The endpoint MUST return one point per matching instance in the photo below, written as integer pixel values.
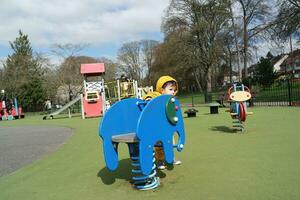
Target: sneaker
(176, 162)
(161, 166)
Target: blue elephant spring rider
(141, 124)
(238, 94)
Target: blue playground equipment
(141, 124)
(238, 94)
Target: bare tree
(49, 79)
(136, 58)
(130, 59)
(148, 48)
(110, 68)
(235, 36)
(199, 24)
(254, 14)
(68, 72)
(288, 19)
(67, 50)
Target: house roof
(292, 57)
(280, 61)
(276, 62)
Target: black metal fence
(281, 93)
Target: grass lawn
(262, 163)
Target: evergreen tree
(264, 73)
(23, 74)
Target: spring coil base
(141, 181)
(238, 125)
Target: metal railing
(281, 93)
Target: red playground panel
(92, 109)
(93, 95)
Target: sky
(104, 25)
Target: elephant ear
(158, 122)
(179, 126)
(171, 111)
(153, 126)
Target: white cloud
(103, 24)
(90, 21)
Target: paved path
(20, 146)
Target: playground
(150, 100)
(217, 163)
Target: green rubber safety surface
(218, 163)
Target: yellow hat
(162, 80)
(150, 95)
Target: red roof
(92, 68)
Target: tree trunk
(207, 91)
(197, 80)
(236, 47)
(245, 48)
(230, 67)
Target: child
(164, 85)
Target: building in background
(291, 65)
